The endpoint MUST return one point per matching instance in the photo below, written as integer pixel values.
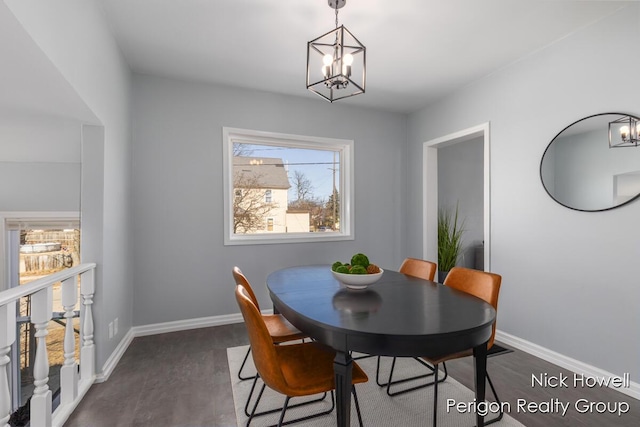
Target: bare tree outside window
(302, 187)
(250, 208)
(242, 150)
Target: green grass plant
(450, 231)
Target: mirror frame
(556, 137)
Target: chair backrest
(241, 279)
(263, 350)
(481, 284)
(419, 268)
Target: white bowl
(357, 281)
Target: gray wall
(39, 163)
(39, 187)
(94, 67)
(570, 279)
(182, 268)
(461, 184)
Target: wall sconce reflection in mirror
(624, 132)
(579, 171)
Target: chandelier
(624, 132)
(336, 62)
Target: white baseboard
(565, 362)
(115, 357)
(184, 325)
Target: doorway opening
(474, 135)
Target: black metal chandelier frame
(338, 44)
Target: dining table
(399, 315)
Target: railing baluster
(72, 387)
(87, 352)
(42, 309)
(7, 337)
(69, 370)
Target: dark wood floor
(182, 379)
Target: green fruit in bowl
(335, 265)
(342, 269)
(358, 269)
(360, 259)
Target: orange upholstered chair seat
(280, 329)
(316, 361)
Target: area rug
(378, 409)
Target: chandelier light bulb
(327, 59)
(347, 59)
(624, 131)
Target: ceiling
(417, 50)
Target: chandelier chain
(335, 51)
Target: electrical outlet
(110, 330)
(115, 326)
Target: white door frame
(430, 189)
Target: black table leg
(480, 357)
(342, 367)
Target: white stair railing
(73, 385)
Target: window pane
(283, 187)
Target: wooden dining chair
(301, 369)
(279, 328)
(485, 286)
(422, 269)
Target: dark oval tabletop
(399, 315)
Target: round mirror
(594, 164)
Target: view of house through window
(285, 189)
(282, 188)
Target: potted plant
(449, 241)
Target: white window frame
(25, 219)
(345, 185)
